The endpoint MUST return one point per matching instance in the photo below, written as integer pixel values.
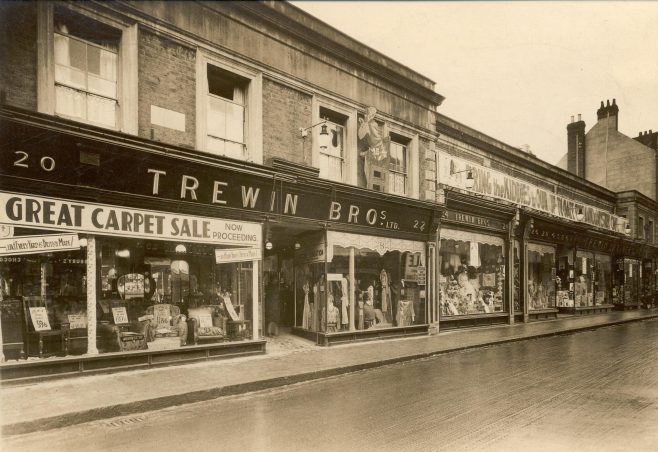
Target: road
(591, 391)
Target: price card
(40, 319)
(120, 315)
(77, 321)
(205, 321)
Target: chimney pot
(607, 103)
(602, 106)
(571, 119)
(614, 101)
(578, 116)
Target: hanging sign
(223, 256)
(51, 213)
(39, 317)
(35, 244)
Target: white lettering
(291, 201)
(185, 187)
(249, 196)
(156, 179)
(216, 192)
(334, 211)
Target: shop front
(633, 275)
(569, 269)
(101, 285)
(474, 264)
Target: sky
(518, 71)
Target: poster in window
(39, 318)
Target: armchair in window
(207, 323)
(166, 320)
(41, 339)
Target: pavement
(63, 402)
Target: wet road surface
(591, 391)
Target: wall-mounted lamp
(468, 184)
(180, 248)
(324, 134)
(297, 245)
(268, 245)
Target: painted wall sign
(237, 255)
(123, 170)
(499, 185)
(34, 244)
(51, 213)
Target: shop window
(541, 277)
(389, 285)
(565, 281)
(226, 113)
(583, 287)
(398, 165)
(87, 71)
(630, 288)
(602, 279)
(640, 228)
(332, 158)
(472, 277)
(651, 232)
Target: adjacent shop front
(474, 264)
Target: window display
(602, 279)
(565, 277)
(631, 287)
(583, 287)
(541, 276)
(388, 289)
(151, 295)
(472, 277)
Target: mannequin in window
(372, 316)
(384, 280)
(332, 315)
(306, 313)
(405, 314)
(467, 293)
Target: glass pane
(70, 102)
(215, 145)
(234, 150)
(78, 54)
(93, 60)
(335, 169)
(216, 117)
(101, 110)
(70, 76)
(108, 65)
(62, 54)
(104, 87)
(234, 122)
(541, 282)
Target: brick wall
(18, 54)
(285, 110)
(166, 79)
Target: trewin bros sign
(499, 185)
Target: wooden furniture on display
(37, 330)
(166, 321)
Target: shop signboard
(496, 184)
(451, 216)
(102, 219)
(35, 244)
(191, 181)
(223, 256)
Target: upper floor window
(86, 62)
(332, 157)
(640, 228)
(651, 232)
(226, 113)
(398, 163)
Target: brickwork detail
(167, 79)
(18, 54)
(285, 110)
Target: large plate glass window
(541, 277)
(472, 277)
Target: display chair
(38, 330)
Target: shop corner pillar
(91, 296)
(254, 290)
(351, 285)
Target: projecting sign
(237, 255)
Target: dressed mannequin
(306, 313)
(344, 302)
(332, 315)
(371, 315)
(405, 315)
(386, 294)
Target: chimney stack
(576, 147)
(609, 113)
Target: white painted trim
(45, 58)
(129, 81)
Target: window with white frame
(86, 69)
(332, 157)
(398, 165)
(226, 113)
